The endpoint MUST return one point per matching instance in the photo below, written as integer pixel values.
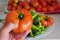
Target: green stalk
(34, 27)
(34, 16)
(31, 34)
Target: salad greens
(33, 13)
(37, 27)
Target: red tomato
(58, 5)
(44, 9)
(13, 8)
(35, 3)
(55, 5)
(32, 8)
(50, 19)
(38, 9)
(51, 8)
(43, 2)
(49, 24)
(9, 7)
(10, 2)
(14, 5)
(19, 8)
(24, 3)
(44, 23)
(49, 1)
(27, 7)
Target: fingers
(10, 27)
(22, 36)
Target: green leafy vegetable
(33, 14)
(31, 34)
(36, 20)
(37, 27)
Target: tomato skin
(26, 23)
(44, 23)
(51, 8)
(9, 7)
(27, 7)
(35, 4)
(14, 5)
(19, 8)
(51, 20)
(13, 8)
(23, 24)
(49, 24)
(44, 9)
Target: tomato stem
(21, 15)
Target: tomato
(10, 2)
(44, 9)
(49, 1)
(58, 5)
(24, 3)
(44, 23)
(51, 8)
(43, 3)
(35, 3)
(9, 7)
(47, 22)
(19, 8)
(24, 19)
(13, 8)
(14, 5)
(32, 8)
(27, 7)
(38, 9)
(50, 19)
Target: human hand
(6, 34)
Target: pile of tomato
(37, 5)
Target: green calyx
(20, 16)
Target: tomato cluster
(37, 5)
(47, 21)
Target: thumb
(10, 27)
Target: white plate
(48, 30)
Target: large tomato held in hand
(24, 19)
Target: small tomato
(50, 19)
(44, 23)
